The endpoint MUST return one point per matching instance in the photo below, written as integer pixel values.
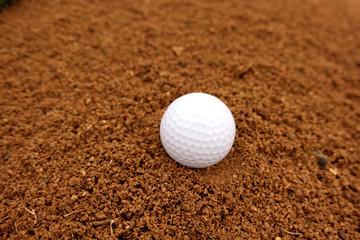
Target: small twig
(117, 81)
(292, 233)
(98, 223)
(71, 230)
(16, 229)
(4, 219)
(111, 229)
(76, 211)
(31, 211)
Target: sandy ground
(84, 84)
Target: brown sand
(83, 86)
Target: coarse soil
(84, 84)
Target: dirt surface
(84, 84)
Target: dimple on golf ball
(197, 130)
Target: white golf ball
(197, 130)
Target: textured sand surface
(83, 87)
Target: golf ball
(197, 130)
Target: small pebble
(291, 136)
(52, 69)
(334, 171)
(318, 152)
(307, 235)
(322, 161)
(100, 216)
(6, 158)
